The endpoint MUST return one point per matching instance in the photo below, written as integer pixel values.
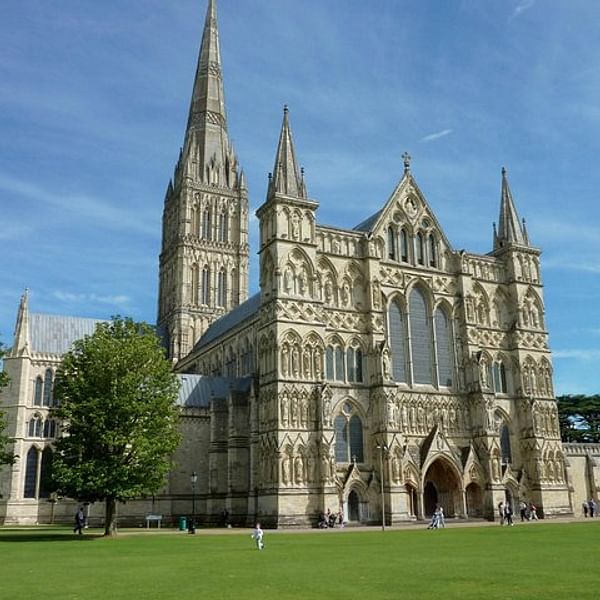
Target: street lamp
(383, 448)
(193, 479)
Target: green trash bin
(182, 523)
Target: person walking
(585, 509)
(501, 512)
(79, 521)
(533, 512)
(257, 535)
(508, 514)
(523, 511)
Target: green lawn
(545, 561)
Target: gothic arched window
(223, 227)
(206, 285)
(391, 243)
(31, 463)
(348, 436)
(505, 444)
(35, 427)
(206, 224)
(48, 377)
(420, 336)
(38, 391)
(443, 342)
(432, 251)
(403, 245)
(397, 341)
(420, 249)
(354, 366)
(499, 377)
(195, 283)
(221, 288)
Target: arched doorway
(442, 486)
(474, 500)
(430, 498)
(353, 507)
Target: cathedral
(378, 371)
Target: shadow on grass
(44, 535)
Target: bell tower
(203, 270)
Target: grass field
(545, 561)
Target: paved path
(450, 524)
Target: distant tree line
(579, 418)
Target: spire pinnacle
(286, 177)
(206, 142)
(21, 344)
(510, 230)
(406, 157)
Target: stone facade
(378, 367)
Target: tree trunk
(110, 521)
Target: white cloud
(436, 136)
(84, 298)
(81, 205)
(586, 355)
(521, 8)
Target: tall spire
(21, 343)
(206, 141)
(510, 230)
(286, 177)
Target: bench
(151, 518)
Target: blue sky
(94, 99)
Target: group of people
(330, 519)
(437, 519)
(527, 512)
(589, 508)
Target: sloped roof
(367, 224)
(199, 390)
(55, 334)
(230, 320)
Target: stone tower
(204, 253)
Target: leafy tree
(116, 397)
(579, 418)
(6, 456)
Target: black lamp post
(193, 479)
(383, 448)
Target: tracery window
(35, 426)
(223, 227)
(420, 335)
(348, 435)
(499, 377)
(354, 365)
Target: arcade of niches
(376, 368)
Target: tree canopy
(579, 418)
(116, 397)
(6, 455)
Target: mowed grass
(545, 561)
